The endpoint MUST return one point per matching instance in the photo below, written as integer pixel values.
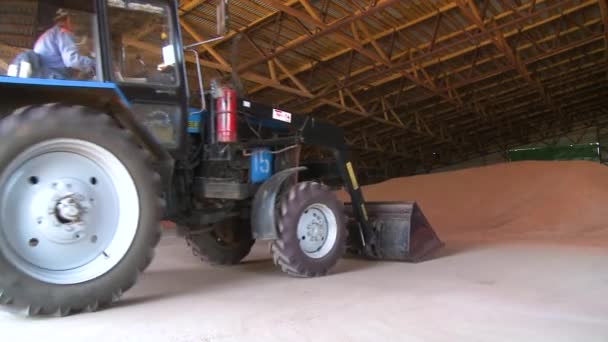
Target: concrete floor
(474, 292)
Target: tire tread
(29, 117)
(286, 253)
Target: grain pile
(525, 200)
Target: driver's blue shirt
(58, 52)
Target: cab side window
(141, 38)
(39, 40)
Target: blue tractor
(92, 162)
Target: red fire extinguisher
(226, 122)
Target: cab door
(144, 57)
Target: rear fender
(263, 208)
(17, 92)
(103, 96)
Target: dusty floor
(526, 260)
(480, 292)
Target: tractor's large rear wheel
(80, 210)
(312, 231)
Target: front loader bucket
(399, 231)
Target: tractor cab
(133, 44)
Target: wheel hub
(69, 210)
(314, 230)
(65, 220)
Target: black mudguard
(263, 208)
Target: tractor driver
(58, 51)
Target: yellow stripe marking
(351, 174)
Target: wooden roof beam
(444, 114)
(408, 64)
(550, 53)
(187, 6)
(450, 114)
(370, 145)
(324, 30)
(580, 101)
(587, 86)
(512, 141)
(509, 138)
(563, 78)
(527, 46)
(524, 102)
(194, 34)
(522, 111)
(398, 124)
(546, 55)
(250, 76)
(471, 11)
(469, 81)
(277, 62)
(260, 21)
(428, 84)
(376, 37)
(542, 56)
(364, 76)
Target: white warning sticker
(280, 115)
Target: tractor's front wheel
(312, 231)
(80, 210)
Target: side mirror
(222, 17)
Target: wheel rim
(62, 218)
(317, 230)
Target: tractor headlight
(160, 120)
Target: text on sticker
(280, 115)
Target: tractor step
(400, 232)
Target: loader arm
(310, 131)
(397, 231)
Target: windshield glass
(141, 36)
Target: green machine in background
(589, 152)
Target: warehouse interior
(422, 84)
(491, 114)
